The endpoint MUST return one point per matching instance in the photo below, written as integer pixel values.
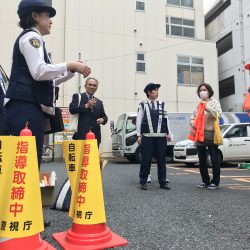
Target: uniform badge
(35, 42)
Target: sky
(208, 4)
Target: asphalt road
(183, 218)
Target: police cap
(151, 86)
(27, 6)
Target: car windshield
(223, 127)
(120, 122)
(131, 124)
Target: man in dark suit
(91, 111)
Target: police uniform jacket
(33, 77)
(160, 128)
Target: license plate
(177, 154)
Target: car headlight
(191, 145)
(178, 144)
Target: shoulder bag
(73, 124)
(56, 122)
(217, 133)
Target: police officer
(31, 91)
(153, 134)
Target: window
(190, 70)
(225, 44)
(179, 27)
(131, 124)
(185, 3)
(237, 131)
(140, 5)
(227, 87)
(140, 64)
(120, 122)
(218, 8)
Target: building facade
(228, 24)
(127, 44)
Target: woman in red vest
(202, 133)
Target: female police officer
(33, 78)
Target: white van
(124, 137)
(235, 148)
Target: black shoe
(165, 186)
(47, 223)
(143, 187)
(202, 185)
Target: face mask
(203, 94)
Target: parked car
(235, 148)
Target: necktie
(92, 108)
(153, 105)
(153, 117)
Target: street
(183, 218)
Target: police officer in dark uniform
(31, 92)
(153, 133)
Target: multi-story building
(228, 24)
(127, 44)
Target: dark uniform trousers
(18, 113)
(149, 146)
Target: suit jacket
(87, 117)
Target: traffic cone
(32, 242)
(85, 234)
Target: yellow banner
(88, 198)
(73, 152)
(20, 196)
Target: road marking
(235, 176)
(239, 178)
(192, 171)
(243, 180)
(229, 169)
(239, 187)
(174, 168)
(231, 184)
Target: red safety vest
(246, 104)
(197, 130)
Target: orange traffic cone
(33, 242)
(86, 235)
(26, 243)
